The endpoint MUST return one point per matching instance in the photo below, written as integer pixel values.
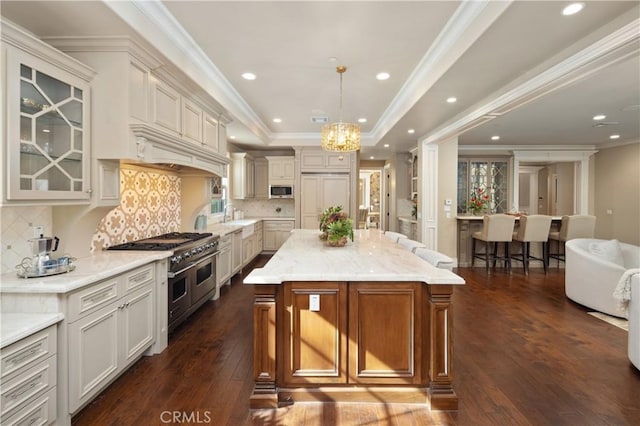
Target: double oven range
(192, 269)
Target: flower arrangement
(336, 226)
(478, 201)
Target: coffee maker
(41, 263)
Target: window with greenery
(483, 185)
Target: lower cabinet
(252, 245)
(275, 233)
(338, 332)
(111, 324)
(224, 263)
(409, 228)
(236, 251)
(28, 385)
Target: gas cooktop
(168, 241)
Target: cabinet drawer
(224, 241)
(92, 298)
(40, 411)
(139, 277)
(26, 385)
(27, 352)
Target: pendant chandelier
(341, 137)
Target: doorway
(371, 187)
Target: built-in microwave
(280, 191)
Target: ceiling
(492, 56)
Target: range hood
(131, 74)
(156, 147)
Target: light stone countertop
(14, 327)
(89, 270)
(224, 228)
(371, 257)
(408, 219)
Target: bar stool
(393, 236)
(496, 228)
(410, 245)
(533, 229)
(574, 226)
(435, 258)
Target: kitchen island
(367, 322)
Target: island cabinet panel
(315, 345)
(385, 333)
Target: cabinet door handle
(100, 296)
(22, 357)
(25, 389)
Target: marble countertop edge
(17, 326)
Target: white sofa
(590, 279)
(634, 322)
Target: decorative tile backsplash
(16, 228)
(149, 206)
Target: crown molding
(611, 49)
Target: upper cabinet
(47, 99)
(323, 161)
(281, 170)
(242, 176)
(146, 110)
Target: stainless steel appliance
(192, 269)
(280, 191)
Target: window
(489, 175)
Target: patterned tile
(16, 228)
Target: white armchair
(634, 322)
(590, 280)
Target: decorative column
(441, 393)
(264, 348)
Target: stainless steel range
(192, 269)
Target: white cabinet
(166, 107)
(261, 178)
(409, 228)
(242, 176)
(28, 384)
(252, 244)
(47, 98)
(192, 121)
(110, 325)
(318, 192)
(210, 133)
(321, 161)
(281, 170)
(236, 251)
(275, 233)
(224, 262)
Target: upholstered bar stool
(496, 228)
(394, 236)
(410, 245)
(574, 226)
(533, 229)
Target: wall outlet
(37, 231)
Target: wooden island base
(353, 342)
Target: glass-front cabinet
(483, 185)
(47, 131)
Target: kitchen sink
(248, 226)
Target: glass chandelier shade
(341, 137)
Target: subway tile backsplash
(264, 208)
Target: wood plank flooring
(524, 355)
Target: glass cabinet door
(49, 151)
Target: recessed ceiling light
(232, 137)
(411, 131)
(614, 137)
(572, 9)
(372, 158)
(599, 117)
(386, 145)
(332, 59)
(495, 138)
(452, 99)
(46, 131)
(382, 76)
(277, 120)
(249, 76)
(362, 120)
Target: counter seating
(496, 228)
(394, 236)
(574, 226)
(532, 229)
(410, 245)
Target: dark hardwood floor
(524, 355)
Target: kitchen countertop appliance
(191, 273)
(41, 263)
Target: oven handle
(191, 265)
